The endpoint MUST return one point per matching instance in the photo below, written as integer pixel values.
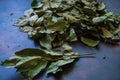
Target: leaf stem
(60, 57)
(49, 3)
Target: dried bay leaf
(90, 42)
(106, 33)
(28, 12)
(72, 35)
(46, 42)
(101, 6)
(58, 26)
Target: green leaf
(111, 25)
(27, 62)
(46, 42)
(32, 67)
(89, 42)
(39, 21)
(99, 19)
(28, 12)
(36, 4)
(69, 18)
(102, 18)
(55, 66)
(54, 52)
(116, 31)
(101, 6)
(38, 68)
(22, 22)
(40, 12)
(106, 33)
(108, 14)
(10, 63)
(32, 20)
(59, 25)
(72, 35)
(30, 52)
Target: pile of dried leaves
(53, 22)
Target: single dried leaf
(32, 19)
(58, 26)
(90, 42)
(31, 52)
(46, 42)
(99, 19)
(101, 6)
(72, 35)
(28, 12)
(10, 63)
(22, 22)
(106, 33)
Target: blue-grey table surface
(11, 40)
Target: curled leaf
(46, 42)
(101, 6)
(28, 13)
(72, 35)
(106, 33)
(90, 42)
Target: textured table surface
(11, 40)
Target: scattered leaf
(89, 42)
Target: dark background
(12, 40)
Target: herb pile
(54, 22)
